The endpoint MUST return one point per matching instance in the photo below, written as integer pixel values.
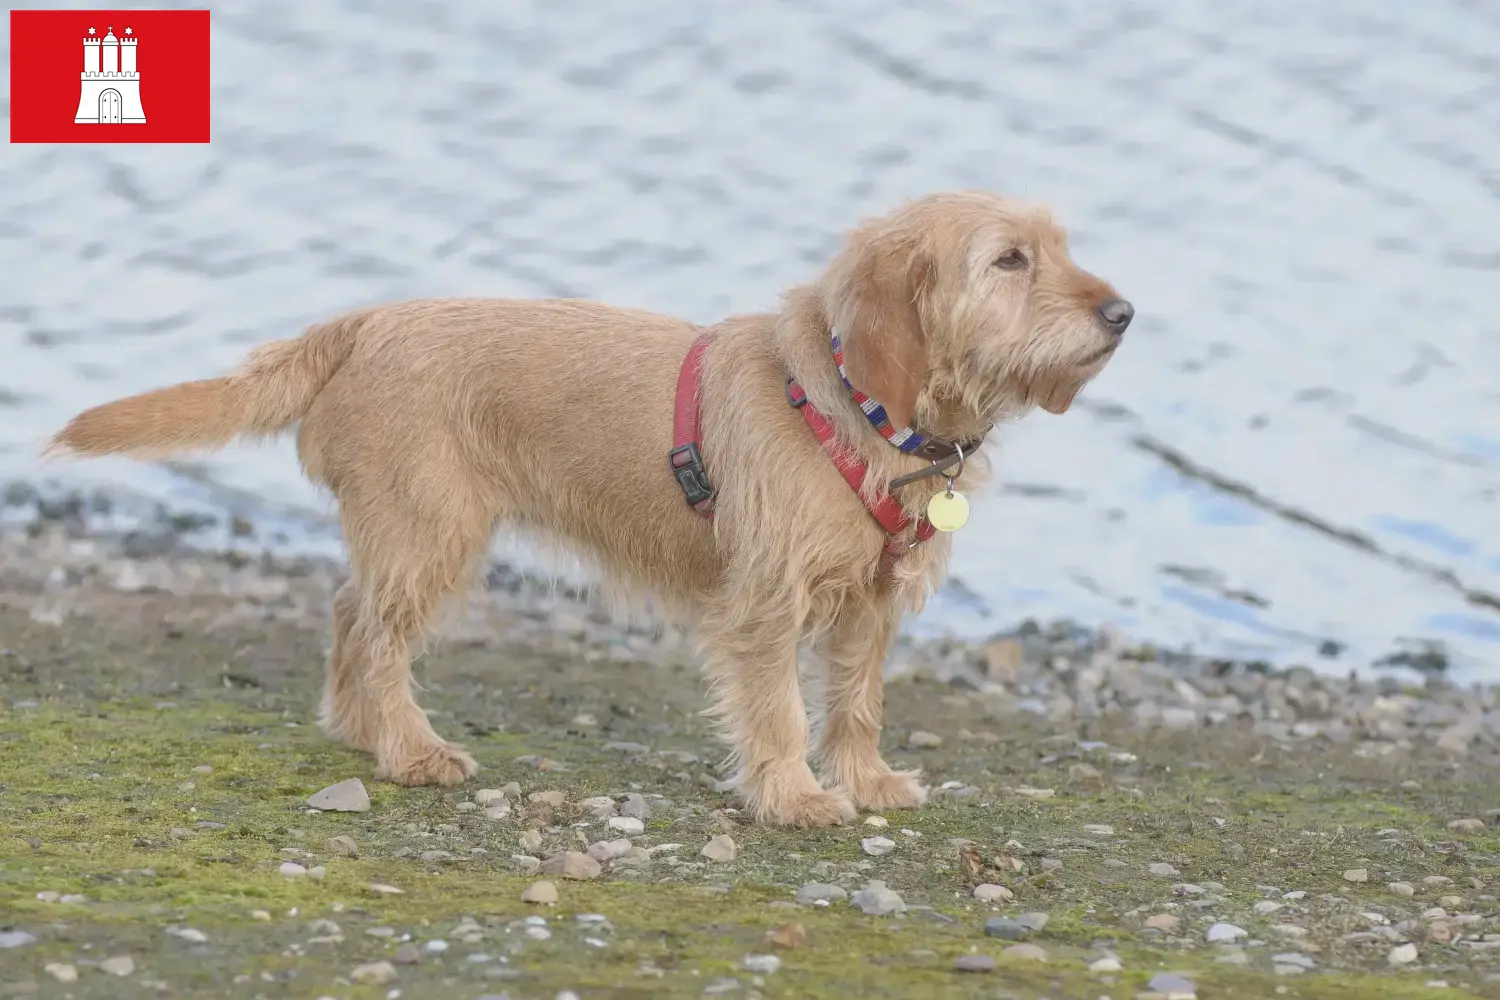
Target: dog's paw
(811, 810)
(444, 764)
(890, 790)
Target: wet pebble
(349, 795)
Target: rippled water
(1298, 448)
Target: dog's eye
(1011, 260)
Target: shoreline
(65, 553)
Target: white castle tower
(111, 92)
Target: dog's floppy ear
(871, 293)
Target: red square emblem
(109, 76)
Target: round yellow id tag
(948, 511)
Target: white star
(92, 31)
(127, 31)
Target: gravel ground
(1107, 820)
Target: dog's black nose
(1117, 314)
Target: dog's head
(974, 299)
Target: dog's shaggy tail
(276, 386)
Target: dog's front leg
(752, 670)
(848, 754)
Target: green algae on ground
(163, 777)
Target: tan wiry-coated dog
(436, 422)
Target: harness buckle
(687, 467)
(794, 394)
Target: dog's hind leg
(347, 715)
(408, 558)
(848, 750)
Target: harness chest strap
(686, 457)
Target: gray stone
(1172, 984)
(974, 963)
(1222, 932)
(346, 796)
(814, 892)
(373, 974)
(636, 807)
(16, 939)
(1163, 869)
(1006, 929)
(720, 848)
(878, 901)
(1031, 952)
(1033, 921)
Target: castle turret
(111, 50)
(127, 52)
(91, 53)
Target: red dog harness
(687, 458)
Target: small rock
(819, 892)
(923, 740)
(342, 846)
(407, 954)
(992, 893)
(1163, 922)
(877, 847)
(262, 915)
(1357, 875)
(974, 963)
(119, 965)
(374, 974)
(1266, 907)
(1466, 825)
(1187, 889)
(1173, 985)
(346, 796)
(878, 901)
(627, 825)
(1223, 932)
(486, 797)
(1099, 829)
(636, 806)
(543, 893)
(762, 965)
(526, 864)
(788, 936)
(1005, 928)
(551, 797)
(531, 841)
(1109, 963)
(436, 946)
(720, 848)
(61, 971)
(572, 864)
(190, 934)
(1030, 952)
(381, 889)
(608, 850)
(1402, 954)
(1033, 921)
(293, 870)
(1035, 793)
(16, 939)
(1163, 869)
(1402, 888)
(876, 821)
